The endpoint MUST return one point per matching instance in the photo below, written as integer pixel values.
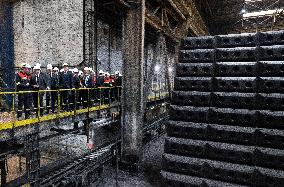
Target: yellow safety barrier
(90, 105)
(96, 100)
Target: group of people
(68, 81)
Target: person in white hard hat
(23, 84)
(107, 79)
(111, 84)
(100, 79)
(48, 76)
(54, 86)
(117, 84)
(87, 78)
(76, 83)
(106, 91)
(76, 79)
(87, 82)
(65, 82)
(38, 82)
(29, 68)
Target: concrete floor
(148, 177)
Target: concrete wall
(6, 46)
(115, 62)
(51, 31)
(48, 31)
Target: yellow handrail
(99, 98)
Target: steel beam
(177, 9)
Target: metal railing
(23, 108)
(28, 107)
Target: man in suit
(117, 85)
(100, 79)
(87, 83)
(48, 81)
(54, 85)
(65, 82)
(38, 82)
(76, 81)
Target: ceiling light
(157, 68)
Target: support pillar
(133, 83)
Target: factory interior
(141, 93)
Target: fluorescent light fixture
(263, 13)
(251, 1)
(157, 68)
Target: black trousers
(48, 101)
(54, 100)
(86, 98)
(65, 98)
(24, 100)
(75, 99)
(38, 101)
(106, 95)
(117, 93)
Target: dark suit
(87, 82)
(117, 84)
(76, 96)
(65, 82)
(54, 85)
(100, 81)
(38, 82)
(48, 94)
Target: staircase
(226, 124)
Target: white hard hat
(23, 65)
(28, 66)
(101, 72)
(65, 64)
(36, 67)
(107, 73)
(80, 72)
(49, 66)
(55, 69)
(75, 70)
(117, 72)
(86, 69)
(61, 70)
